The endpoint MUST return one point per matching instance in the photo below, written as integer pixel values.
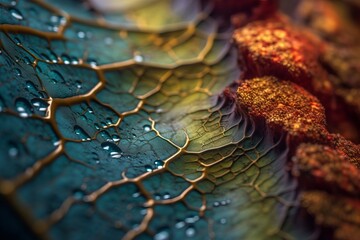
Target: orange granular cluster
(325, 167)
(284, 104)
(275, 47)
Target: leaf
(141, 135)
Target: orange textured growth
(341, 214)
(275, 47)
(283, 104)
(326, 168)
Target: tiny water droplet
(13, 150)
(138, 58)
(81, 35)
(16, 14)
(40, 104)
(78, 84)
(17, 72)
(159, 164)
(136, 195)
(166, 196)
(17, 41)
(113, 149)
(147, 128)
(216, 204)
(23, 107)
(82, 134)
(56, 77)
(148, 168)
(108, 41)
(115, 138)
(92, 62)
(163, 235)
(180, 224)
(223, 221)
(78, 194)
(65, 58)
(190, 232)
(192, 219)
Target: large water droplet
(16, 14)
(23, 107)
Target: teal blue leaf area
(125, 125)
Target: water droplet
(17, 41)
(109, 121)
(78, 84)
(56, 77)
(190, 232)
(95, 157)
(216, 204)
(115, 138)
(106, 136)
(143, 211)
(92, 62)
(147, 128)
(17, 72)
(40, 104)
(27, 60)
(180, 224)
(2, 104)
(108, 41)
(54, 19)
(65, 58)
(82, 134)
(78, 194)
(81, 35)
(23, 107)
(163, 235)
(166, 196)
(45, 57)
(192, 219)
(159, 164)
(223, 221)
(16, 14)
(138, 58)
(13, 150)
(148, 168)
(74, 60)
(53, 57)
(136, 195)
(113, 149)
